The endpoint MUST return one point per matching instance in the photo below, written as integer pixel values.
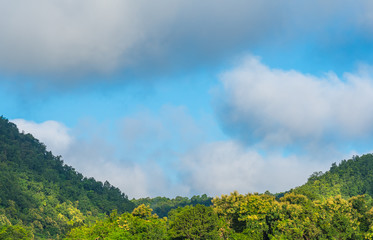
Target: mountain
(349, 178)
(42, 195)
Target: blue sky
(187, 97)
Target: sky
(182, 98)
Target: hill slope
(39, 191)
(349, 178)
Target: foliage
(255, 216)
(15, 232)
(194, 222)
(140, 224)
(250, 216)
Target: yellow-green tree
(140, 224)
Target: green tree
(194, 222)
(140, 224)
(15, 232)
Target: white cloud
(178, 161)
(53, 134)
(287, 108)
(222, 167)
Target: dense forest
(43, 198)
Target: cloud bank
(221, 167)
(278, 108)
(144, 169)
(55, 134)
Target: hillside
(349, 178)
(42, 194)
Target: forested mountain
(349, 178)
(38, 191)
